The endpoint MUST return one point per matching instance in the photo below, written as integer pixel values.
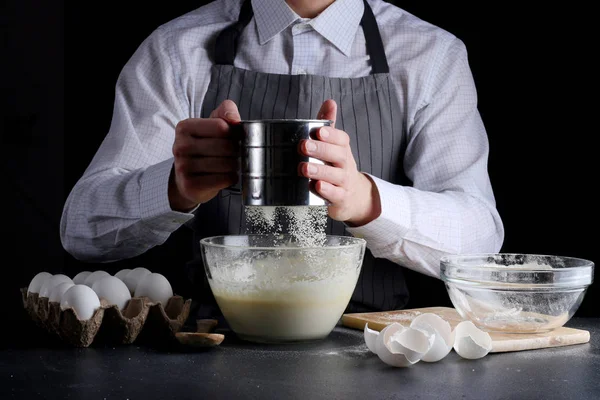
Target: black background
(533, 70)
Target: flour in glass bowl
(297, 296)
(297, 293)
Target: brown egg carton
(140, 321)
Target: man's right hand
(206, 157)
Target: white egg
(37, 282)
(113, 290)
(82, 299)
(49, 284)
(371, 338)
(156, 287)
(444, 336)
(133, 278)
(122, 273)
(401, 346)
(58, 291)
(94, 276)
(80, 277)
(471, 342)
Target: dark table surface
(339, 367)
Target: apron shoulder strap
(375, 47)
(227, 40)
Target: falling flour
(306, 224)
(261, 219)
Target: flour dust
(305, 224)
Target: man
(406, 160)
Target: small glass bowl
(516, 293)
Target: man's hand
(206, 157)
(353, 195)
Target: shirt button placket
(299, 46)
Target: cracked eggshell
(385, 333)
(414, 343)
(401, 346)
(443, 339)
(471, 342)
(371, 338)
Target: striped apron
(368, 111)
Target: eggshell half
(371, 338)
(444, 335)
(413, 343)
(386, 332)
(401, 346)
(471, 342)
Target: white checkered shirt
(119, 208)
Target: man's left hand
(353, 196)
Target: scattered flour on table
(351, 352)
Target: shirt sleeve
(119, 208)
(450, 207)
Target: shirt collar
(338, 23)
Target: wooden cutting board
(501, 342)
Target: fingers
(187, 146)
(206, 154)
(333, 175)
(204, 127)
(228, 111)
(333, 194)
(328, 110)
(333, 136)
(197, 186)
(207, 165)
(218, 125)
(327, 152)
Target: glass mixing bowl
(516, 293)
(269, 289)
